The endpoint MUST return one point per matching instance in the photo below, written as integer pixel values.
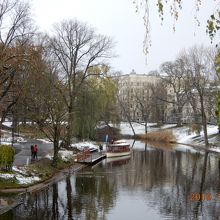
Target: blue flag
(106, 138)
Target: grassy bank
(164, 136)
(42, 169)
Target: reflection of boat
(118, 160)
(118, 148)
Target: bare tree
(201, 71)
(77, 48)
(124, 99)
(158, 106)
(44, 103)
(14, 33)
(174, 79)
(144, 104)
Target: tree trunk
(55, 154)
(145, 126)
(204, 122)
(127, 115)
(69, 128)
(55, 148)
(179, 116)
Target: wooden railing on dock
(83, 155)
(88, 157)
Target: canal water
(163, 182)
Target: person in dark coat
(100, 147)
(32, 152)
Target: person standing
(35, 151)
(32, 152)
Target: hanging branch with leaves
(175, 6)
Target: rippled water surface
(153, 183)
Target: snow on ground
(84, 145)
(140, 128)
(127, 130)
(20, 176)
(7, 139)
(27, 180)
(20, 170)
(184, 135)
(66, 155)
(5, 143)
(49, 156)
(7, 123)
(44, 141)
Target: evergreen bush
(7, 154)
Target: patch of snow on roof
(66, 155)
(85, 144)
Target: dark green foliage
(213, 24)
(95, 103)
(217, 112)
(7, 154)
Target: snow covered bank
(186, 136)
(20, 176)
(140, 128)
(183, 134)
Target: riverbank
(184, 135)
(8, 204)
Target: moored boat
(118, 148)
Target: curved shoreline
(38, 186)
(60, 175)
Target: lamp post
(12, 128)
(13, 118)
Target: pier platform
(89, 158)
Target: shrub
(165, 136)
(7, 154)
(196, 128)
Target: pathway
(23, 155)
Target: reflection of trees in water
(37, 205)
(169, 178)
(69, 198)
(96, 195)
(166, 179)
(91, 199)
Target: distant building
(134, 89)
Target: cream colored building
(133, 90)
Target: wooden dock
(89, 158)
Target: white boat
(118, 149)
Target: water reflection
(152, 183)
(117, 161)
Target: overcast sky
(118, 19)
